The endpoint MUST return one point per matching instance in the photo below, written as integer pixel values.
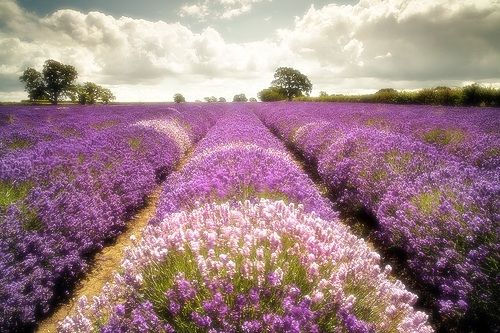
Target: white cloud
(421, 40)
(358, 48)
(218, 9)
(199, 11)
(126, 53)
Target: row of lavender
(25, 127)
(243, 242)
(69, 182)
(438, 208)
(472, 135)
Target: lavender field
(273, 217)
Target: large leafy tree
(58, 78)
(178, 98)
(34, 85)
(55, 80)
(106, 95)
(91, 93)
(291, 82)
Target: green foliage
(386, 95)
(427, 202)
(105, 95)
(477, 95)
(34, 84)
(240, 98)
(444, 136)
(252, 99)
(222, 100)
(30, 219)
(292, 82)
(211, 99)
(135, 143)
(91, 93)
(438, 96)
(272, 94)
(471, 95)
(159, 278)
(58, 79)
(19, 143)
(178, 98)
(11, 192)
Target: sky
(149, 50)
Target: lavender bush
(240, 159)
(63, 197)
(470, 134)
(249, 267)
(243, 240)
(437, 207)
(245, 260)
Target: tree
(178, 98)
(91, 93)
(292, 82)
(252, 99)
(106, 95)
(211, 99)
(34, 84)
(472, 94)
(271, 94)
(222, 100)
(58, 79)
(240, 98)
(386, 95)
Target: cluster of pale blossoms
(251, 267)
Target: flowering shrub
(240, 159)
(243, 240)
(469, 134)
(250, 267)
(245, 260)
(445, 221)
(436, 206)
(63, 198)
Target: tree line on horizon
(179, 98)
(288, 84)
(57, 81)
(471, 95)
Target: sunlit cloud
(350, 48)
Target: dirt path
(103, 265)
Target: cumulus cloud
(349, 48)
(402, 40)
(119, 49)
(218, 9)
